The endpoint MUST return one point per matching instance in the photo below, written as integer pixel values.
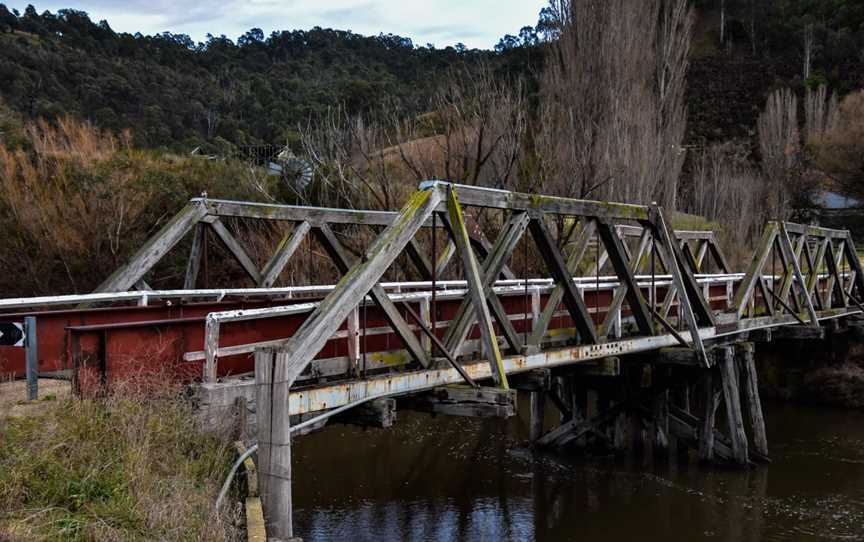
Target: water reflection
(463, 479)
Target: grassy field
(121, 468)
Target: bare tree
(725, 188)
(612, 113)
(780, 145)
(473, 133)
(820, 113)
(808, 49)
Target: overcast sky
(476, 23)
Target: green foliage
(173, 92)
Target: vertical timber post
(274, 441)
(751, 394)
(709, 398)
(538, 403)
(732, 398)
(32, 358)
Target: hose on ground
(252, 449)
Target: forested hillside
(173, 92)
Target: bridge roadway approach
(634, 333)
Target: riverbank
(828, 372)
(127, 467)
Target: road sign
(11, 334)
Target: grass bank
(127, 467)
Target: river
(445, 478)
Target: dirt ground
(13, 396)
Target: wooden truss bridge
(632, 332)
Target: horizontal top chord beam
(297, 213)
(815, 231)
(475, 196)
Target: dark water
(450, 478)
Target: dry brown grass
(127, 467)
(77, 201)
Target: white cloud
(476, 23)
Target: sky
(475, 23)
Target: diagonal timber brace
(360, 279)
(343, 262)
(475, 290)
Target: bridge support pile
(664, 404)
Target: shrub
(76, 202)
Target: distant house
(841, 212)
(828, 200)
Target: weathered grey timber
(750, 385)
(476, 290)
(573, 260)
(786, 245)
(193, 265)
(377, 413)
(753, 274)
(154, 249)
(621, 291)
(236, 250)
(274, 441)
(682, 278)
(563, 278)
(502, 199)
(711, 400)
(466, 401)
(326, 319)
(537, 413)
(287, 246)
(342, 260)
(623, 269)
(491, 267)
(732, 399)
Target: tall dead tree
(612, 113)
(820, 113)
(780, 146)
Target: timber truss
(668, 296)
(621, 239)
